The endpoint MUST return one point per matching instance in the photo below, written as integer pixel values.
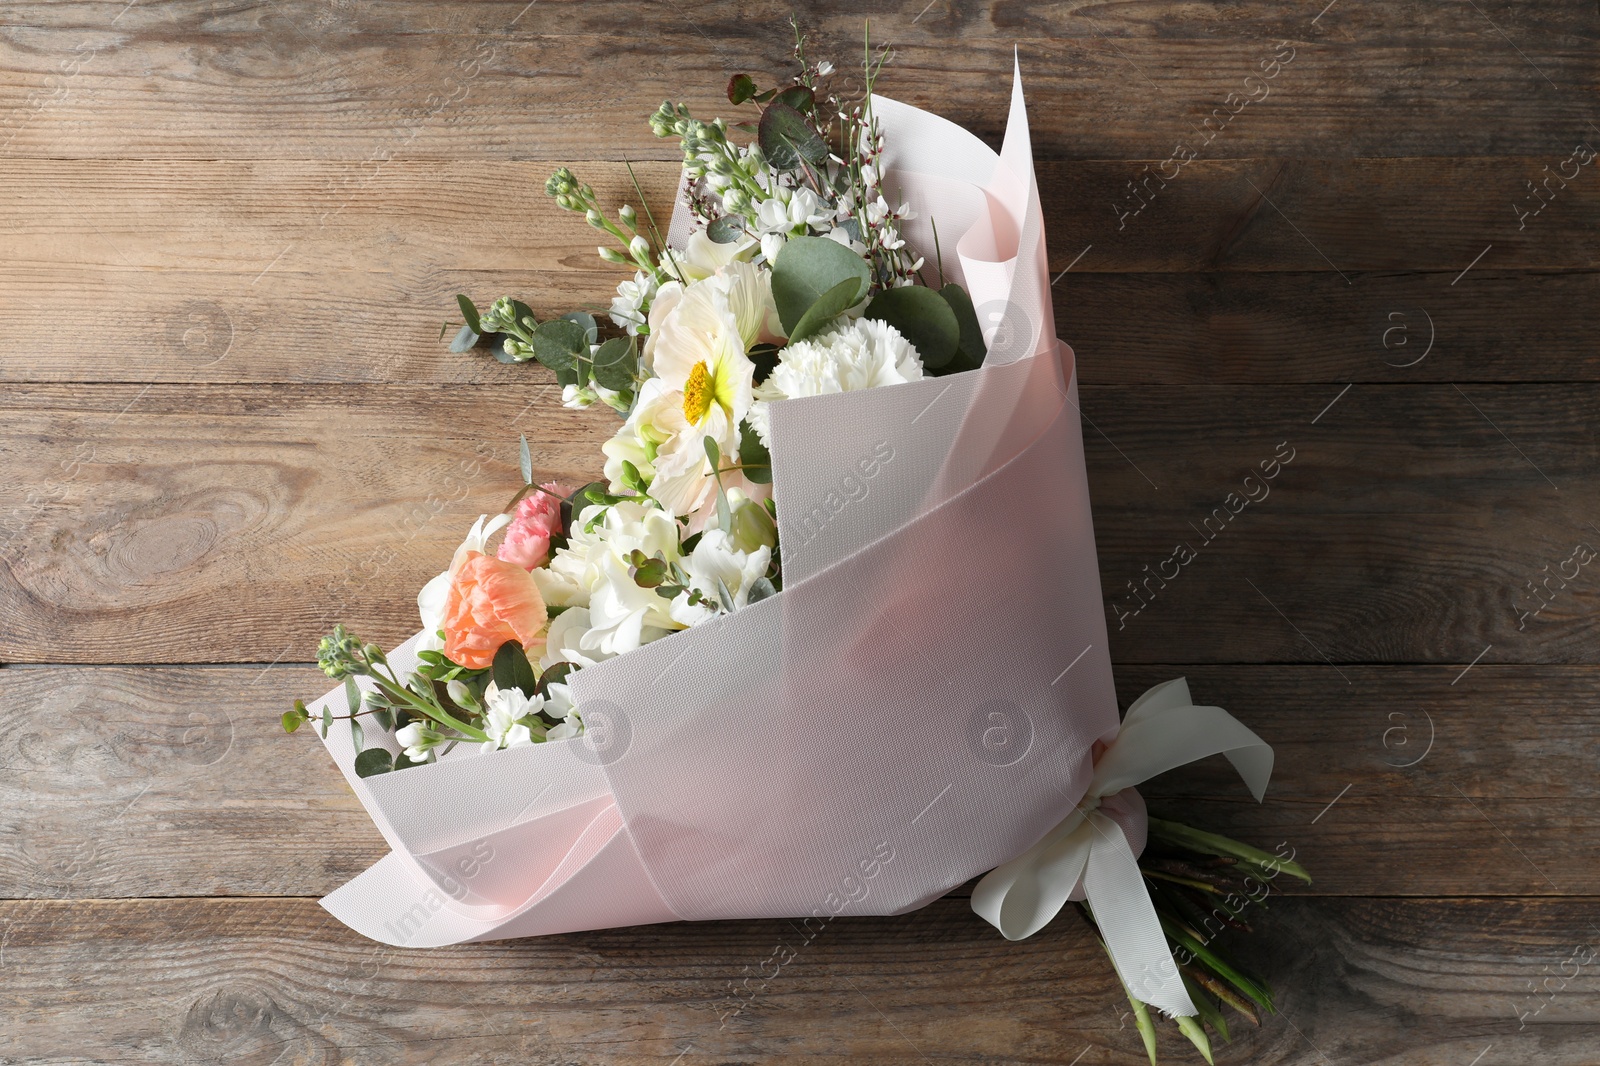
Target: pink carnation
(527, 541)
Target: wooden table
(231, 233)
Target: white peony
(857, 355)
(714, 565)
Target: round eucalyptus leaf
(807, 268)
(924, 318)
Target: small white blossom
(419, 740)
(504, 711)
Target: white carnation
(847, 358)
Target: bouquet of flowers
(848, 485)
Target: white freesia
(503, 707)
(858, 355)
(716, 565)
(434, 595)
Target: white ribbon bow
(1163, 729)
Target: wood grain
(181, 80)
(177, 781)
(261, 220)
(278, 981)
(137, 518)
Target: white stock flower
(559, 705)
(863, 354)
(502, 710)
(431, 600)
(418, 740)
(714, 565)
(627, 306)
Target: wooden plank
(273, 981)
(562, 86)
(260, 221)
(1414, 523)
(178, 781)
(184, 326)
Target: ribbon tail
(1024, 895)
(1128, 922)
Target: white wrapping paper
(918, 705)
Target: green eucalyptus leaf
(385, 719)
(374, 761)
(555, 674)
(787, 140)
(291, 720)
(469, 312)
(760, 589)
(924, 318)
(511, 669)
(465, 340)
(591, 328)
(741, 88)
(522, 315)
(726, 230)
(798, 97)
(559, 343)
(358, 736)
(971, 349)
(829, 306)
(525, 458)
(615, 363)
(807, 269)
(753, 455)
(327, 720)
(352, 694)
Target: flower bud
(611, 255)
(461, 695)
(627, 214)
(752, 525)
(594, 219)
(639, 248)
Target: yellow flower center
(697, 394)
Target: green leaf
(798, 97)
(591, 328)
(787, 139)
(615, 363)
(374, 761)
(753, 455)
(526, 460)
(559, 343)
(358, 736)
(469, 312)
(924, 318)
(807, 269)
(726, 230)
(352, 694)
(385, 718)
(1215, 844)
(522, 315)
(291, 720)
(327, 720)
(511, 669)
(1196, 1034)
(724, 513)
(829, 306)
(760, 589)
(465, 341)
(971, 349)
(556, 674)
(741, 88)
